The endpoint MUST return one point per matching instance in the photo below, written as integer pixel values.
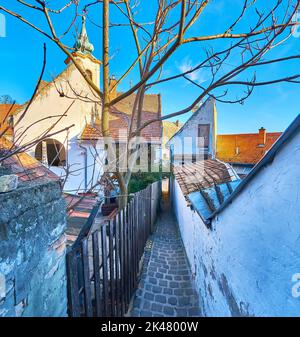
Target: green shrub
(141, 180)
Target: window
(51, 152)
(203, 134)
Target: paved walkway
(166, 286)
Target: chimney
(113, 87)
(262, 136)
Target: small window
(51, 152)
(203, 132)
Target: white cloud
(197, 75)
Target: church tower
(83, 50)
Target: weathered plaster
(244, 265)
(185, 141)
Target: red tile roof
(119, 126)
(79, 206)
(244, 148)
(117, 122)
(24, 166)
(79, 209)
(203, 174)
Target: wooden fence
(103, 265)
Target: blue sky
(273, 107)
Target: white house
(244, 252)
(196, 139)
(78, 153)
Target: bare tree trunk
(123, 198)
(105, 107)
(246, 49)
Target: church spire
(83, 44)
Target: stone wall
(32, 251)
(248, 264)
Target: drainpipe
(85, 165)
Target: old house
(196, 139)
(77, 154)
(205, 181)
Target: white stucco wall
(94, 168)
(186, 140)
(244, 265)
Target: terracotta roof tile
(119, 122)
(244, 148)
(203, 174)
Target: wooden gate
(103, 265)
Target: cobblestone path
(166, 286)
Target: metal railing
(103, 265)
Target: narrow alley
(166, 286)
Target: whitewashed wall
(185, 142)
(94, 166)
(245, 264)
(49, 103)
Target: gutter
(241, 164)
(265, 161)
(206, 222)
